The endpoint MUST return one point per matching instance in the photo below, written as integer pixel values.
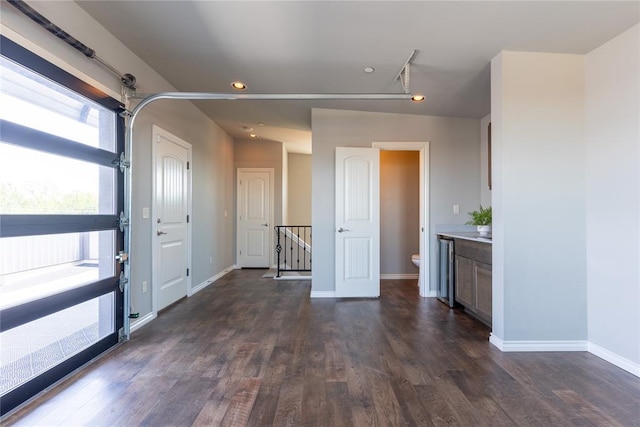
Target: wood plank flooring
(258, 352)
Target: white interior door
(357, 222)
(255, 213)
(171, 217)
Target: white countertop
(474, 236)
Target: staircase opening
(293, 250)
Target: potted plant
(482, 220)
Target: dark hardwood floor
(259, 352)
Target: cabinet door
(482, 273)
(465, 292)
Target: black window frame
(27, 225)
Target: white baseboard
(293, 278)
(142, 321)
(619, 361)
(578, 345)
(210, 280)
(323, 294)
(514, 346)
(496, 341)
(398, 276)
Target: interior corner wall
(399, 211)
(613, 196)
(537, 110)
(454, 169)
(213, 175)
(299, 202)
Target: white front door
(171, 217)
(357, 222)
(255, 224)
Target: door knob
(342, 230)
(160, 233)
(265, 224)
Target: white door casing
(255, 217)
(357, 222)
(171, 232)
(425, 246)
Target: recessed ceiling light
(369, 69)
(238, 85)
(260, 124)
(253, 135)
(417, 98)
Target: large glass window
(61, 193)
(38, 266)
(34, 347)
(28, 99)
(36, 182)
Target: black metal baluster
(278, 250)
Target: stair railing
(293, 248)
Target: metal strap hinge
(122, 281)
(123, 222)
(122, 162)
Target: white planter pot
(484, 230)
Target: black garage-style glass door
(61, 192)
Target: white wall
(212, 147)
(299, 203)
(454, 170)
(539, 265)
(613, 197)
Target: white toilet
(415, 259)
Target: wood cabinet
(473, 277)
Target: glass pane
(33, 267)
(34, 182)
(31, 100)
(30, 349)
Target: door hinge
(187, 219)
(122, 257)
(122, 281)
(187, 272)
(122, 222)
(187, 165)
(122, 162)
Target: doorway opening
(399, 214)
(423, 206)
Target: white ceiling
(323, 47)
